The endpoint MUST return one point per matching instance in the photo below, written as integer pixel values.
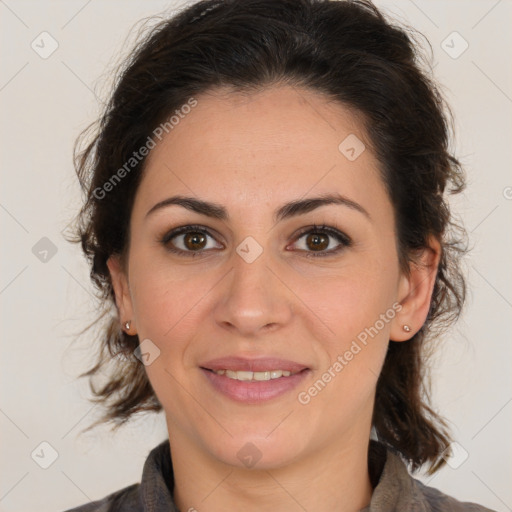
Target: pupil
(318, 242)
(194, 240)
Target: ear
(415, 291)
(122, 294)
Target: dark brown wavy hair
(346, 50)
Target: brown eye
(189, 241)
(194, 241)
(322, 241)
(317, 242)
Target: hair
(345, 50)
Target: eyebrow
(288, 210)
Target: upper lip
(262, 364)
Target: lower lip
(253, 392)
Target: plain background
(46, 102)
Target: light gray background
(44, 105)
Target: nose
(252, 299)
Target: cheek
(349, 300)
(168, 308)
(358, 309)
(168, 301)
(357, 306)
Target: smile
(254, 376)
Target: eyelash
(343, 239)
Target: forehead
(260, 148)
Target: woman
(266, 210)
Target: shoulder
(154, 490)
(125, 500)
(396, 489)
(434, 500)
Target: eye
(189, 240)
(318, 241)
(314, 241)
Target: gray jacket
(394, 490)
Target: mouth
(253, 381)
(254, 376)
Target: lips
(230, 377)
(253, 365)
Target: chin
(257, 450)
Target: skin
(251, 154)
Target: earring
(127, 325)
(406, 328)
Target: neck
(334, 478)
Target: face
(266, 308)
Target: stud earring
(406, 328)
(127, 325)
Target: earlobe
(122, 293)
(415, 292)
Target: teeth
(231, 374)
(261, 375)
(254, 376)
(244, 375)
